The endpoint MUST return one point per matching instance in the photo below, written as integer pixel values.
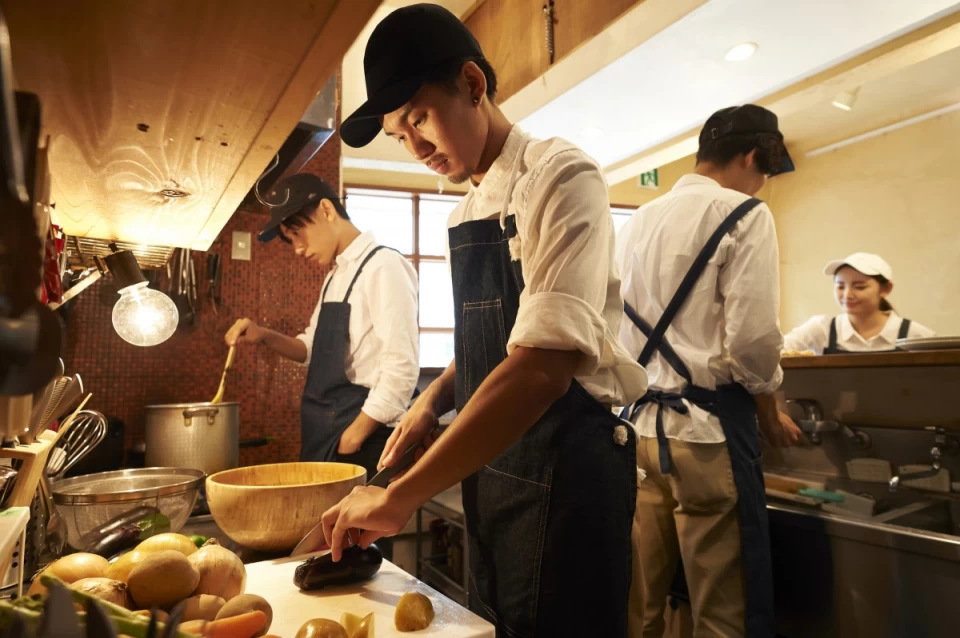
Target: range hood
(316, 126)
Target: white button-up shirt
(814, 334)
(571, 296)
(384, 350)
(728, 330)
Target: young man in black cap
(549, 473)
(702, 263)
(362, 344)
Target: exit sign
(650, 179)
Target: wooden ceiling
(162, 113)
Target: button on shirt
(384, 349)
(814, 334)
(728, 330)
(571, 296)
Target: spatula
(218, 397)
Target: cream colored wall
(895, 195)
(386, 179)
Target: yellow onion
(72, 568)
(111, 591)
(221, 571)
(176, 542)
(120, 569)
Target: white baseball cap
(865, 263)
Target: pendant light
(142, 316)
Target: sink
(938, 516)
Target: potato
(356, 626)
(202, 607)
(322, 628)
(247, 602)
(162, 579)
(414, 612)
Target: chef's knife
(315, 537)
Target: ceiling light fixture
(741, 52)
(846, 100)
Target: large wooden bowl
(272, 507)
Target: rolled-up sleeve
(307, 335)
(812, 334)
(566, 243)
(392, 295)
(750, 285)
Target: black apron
(330, 401)
(549, 520)
(832, 347)
(737, 412)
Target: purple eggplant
(116, 541)
(355, 566)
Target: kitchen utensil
(71, 396)
(869, 470)
(14, 416)
(7, 477)
(271, 507)
(929, 343)
(822, 495)
(218, 397)
(792, 497)
(87, 432)
(213, 279)
(67, 423)
(86, 502)
(46, 416)
(315, 537)
(202, 436)
(40, 403)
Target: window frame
(416, 258)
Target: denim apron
(735, 409)
(330, 401)
(832, 343)
(549, 520)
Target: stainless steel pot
(201, 436)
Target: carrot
(242, 626)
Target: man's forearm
(289, 347)
(441, 394)
(511, 399)
(766, 406)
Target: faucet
(812, 423)
(940, 441)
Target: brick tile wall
(274, 288)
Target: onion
(176, 542)
(120, 568)
(72, 568)
(111, 591)
(221, 571)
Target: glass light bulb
(144, 317)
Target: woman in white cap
(862, 283)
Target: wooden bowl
(272, 507)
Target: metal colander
(87, 502)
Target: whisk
(88, 430)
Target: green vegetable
(198, 540)
(130, 625)
(153, 525)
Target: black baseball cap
(747, 119)
(402, 51)
(296, 192)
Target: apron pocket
(484, 342)
(506, 521)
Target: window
(416, 225)
(621, 216)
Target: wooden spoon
(223, 378)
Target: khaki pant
(689, 514)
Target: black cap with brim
(748, 119)
(290, 196)
(404, 48)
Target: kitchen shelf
(875, 360)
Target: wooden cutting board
(291, 607)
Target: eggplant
(127, 518)
(355, 566)
(116, 541)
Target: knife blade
(315, 537)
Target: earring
(476, 101)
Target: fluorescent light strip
(886, 129)
(389, 166)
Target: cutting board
(273, 580)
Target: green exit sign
(650, 179)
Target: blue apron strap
(359, 270)
(832, 341)
(666, 350)
(690, 279)
(904, 329)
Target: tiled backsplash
(274, 288)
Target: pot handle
(210, 412)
